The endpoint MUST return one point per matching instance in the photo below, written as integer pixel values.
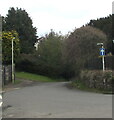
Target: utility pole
(12, 62)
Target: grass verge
(17, 81)
(34, 77)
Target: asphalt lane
(55, 100)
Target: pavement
(54, 100)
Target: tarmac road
(55, 100)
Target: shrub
(31, 63)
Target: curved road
(55, 100)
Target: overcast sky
(60, 15)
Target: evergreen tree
(105, 24)
(19, 20)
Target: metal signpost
(102, 53)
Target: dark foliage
(19, 20)
(80, 47)
(106, 25)
(47, 60)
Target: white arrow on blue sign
(102, 51)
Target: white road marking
(1, 104)
(0, 96)
(1, 99)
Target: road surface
(55, 100)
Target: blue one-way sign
(102, 51)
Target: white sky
(59, 15)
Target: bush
(31, 63)
(26, 62)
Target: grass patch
(34, 77)
(17, 81)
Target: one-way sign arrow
(102, 51)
